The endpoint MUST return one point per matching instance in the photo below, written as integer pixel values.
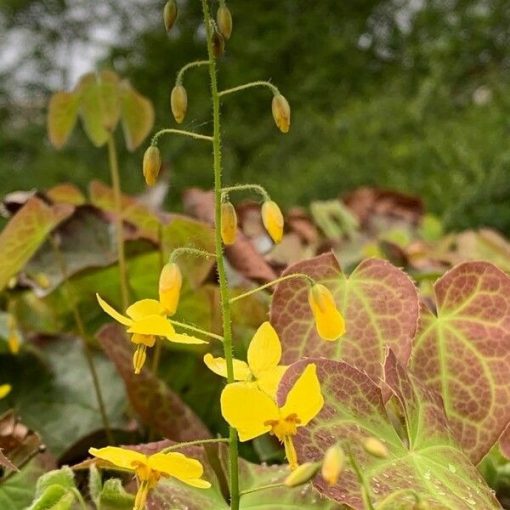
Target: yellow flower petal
(152, 325)
(182, 338)
(198, 482)
(5, 389)
(268, 382)
(265, 350)
(248, 409)
(144, 307)
(148, 340)
(305, 398)
(272, 219)
(112, 312)
(170, 283)
(120, 457)
(219, 366)
(176, 464)
(328, 319)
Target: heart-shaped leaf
(62, 115)
(379, 303)
(463, 353)
(137, 116)
(426, 463)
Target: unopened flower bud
(272, 218)
(5, 389)
(13, 338)
(281, 113)
(170, 282)
(170, 14)
(179, 103)
(139, 358)
(329, 321)
(333, 464)
(228, 223)
(376, 448)
(224, 21)
(218, 44)
(302, 474)
(151, 165)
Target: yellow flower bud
(179, 103)
(139, 358)
(218, 43)
(376, 448)
(329, 321)
(302, 474)
(170, 282)
(5, 389)
(224, 21)
(228, 223)
(272, 218)
(281, 113)
(170, 14)
(13, 338)
(333, 464)
(151, 165)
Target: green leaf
(379, 303)
(25, 233)
(62, 115)
(18, 491)
(63, 477)
(463, 352)
(137, 116)
(114, 497)
(95, 484)
(426, 459)
(54, 497)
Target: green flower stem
(193, 443)
(117, 197)
(245, 187)
(171, 131)
(250, 85)
(303, 276)
(180, 74)
(195, 330)
(224, 291)
(80, 499)
(184, 250)
(361, 478)
(80, 326)
(263, 488)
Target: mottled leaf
(62, 115)
(137, 116)
(379, 303)
(463, 352)
(426, 460)
(156, 404)
(25, 232)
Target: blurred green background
(411, 95)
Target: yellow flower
(146, 320)
(328, 319)
(228, 223)
(170, 283)
(272, 219)
(149, 469)
(253, 413)
(264, 354)
(5, 389)
(13, 338)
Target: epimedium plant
(379, 400)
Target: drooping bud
(302, 474)
(224, 21)
(170, 282)
(228, 223)
(272, 218)
(333, 464)
(179, 103)
(281, 113)
(376, 448)
(151, 165)
(5, 389)
(139, 358)
(218, 44)
(329, 321)
(170, 14)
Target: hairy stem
(224, 291)
(189, 327)
(117, 197)
(263, 488)
(250, 85)
(180, 74)
(303, 276)
(196, 252)
(80, 326)
(193, 443)
(171, 131)
(245, 187)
